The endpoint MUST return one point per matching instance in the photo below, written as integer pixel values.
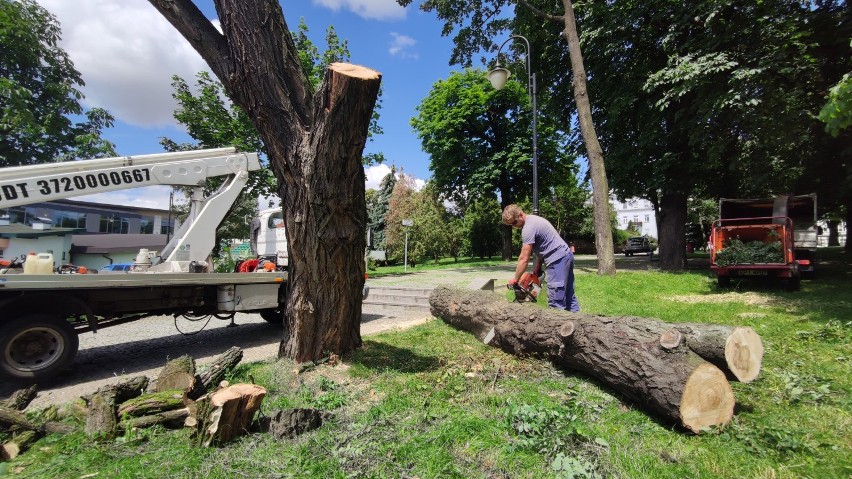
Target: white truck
(42, 314)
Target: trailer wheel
(723, 281)
(36, 346)
(273, 316)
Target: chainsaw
(527, 289)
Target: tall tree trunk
(597, 169)
(848, 246)
(672, 231)
(506, 240)
(833, 235)
(314, 142)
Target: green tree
(39, 93)
(401, 206)
(837, 112)
(482, 220)
(479, 144)
(377, 209)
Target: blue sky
(127, 54)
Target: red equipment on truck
(771, 237)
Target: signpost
(406, 224)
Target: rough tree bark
(314, 142)
(650, 365)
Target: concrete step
(398, 296)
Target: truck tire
(273, 316)
(36, 346)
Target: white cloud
(127, 53)
(401, 46)
(369, 9)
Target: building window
(166, 229)
(624, 219)
(68, 219)
(146, 226)
(647, 218)
(114, 225)
(635, 218)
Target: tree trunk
(672, 230)
(216, 371)
(506, 241)
(630, 355)
(228, 413)
(833, 234)
(597, 168)
(10, 418)
(314, 143)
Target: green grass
(433, 402)
(444, 263)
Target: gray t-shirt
(546, 242)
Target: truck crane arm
(24, 185)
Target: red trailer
(773, 237)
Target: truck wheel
(273, 316)
(36, 346)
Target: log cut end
(355, 71)
(744, 354)
(707, 399)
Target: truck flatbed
(17, 282)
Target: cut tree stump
(228, 413)
(216, 371)
(103, 404)
(176, 374)
(153, 403)
(639, 359)
(289, 423)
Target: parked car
(116, 267)
(638, 244)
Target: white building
(636, 212)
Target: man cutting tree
(540, 237)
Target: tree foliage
(377, 209)
(39, 93)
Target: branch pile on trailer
(679, 372)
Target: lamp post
(498, 76)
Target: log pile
(179, 397)
(679, 372)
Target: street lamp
(498, 76)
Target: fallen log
(11, 418)
(103, 404)
(176, 374)
(18, 445)
(152, 403)
(655, 370)
(227, 413)
(736, 350)
(174, 419)
(20, 399)
(216, 371)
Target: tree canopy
(40, 95)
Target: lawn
(433, 402)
